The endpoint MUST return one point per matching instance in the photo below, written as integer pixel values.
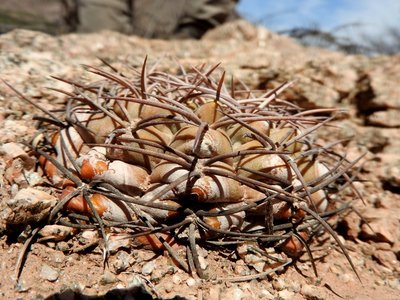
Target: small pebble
(57, 257)
(294, 286)
(346, 277)
(62, 246)
(14, 190)
(380, 282)
(176, 279)
(286, 294)
(308, 291)
(122, 262)
(342, 239)
(203, 263)
(34, 178)
(259, 266)
(385, 258)
(279, 284)
(89, 235)
(76, 287)
(21, 286)
(191, 282)
(158, 273)
(169, 286)
(55, 232)
(265, 294)
(215, 292)
(202, 252)
(237, 294)
(134, 281)
(335, 270)
(148, 267)
(108, 278)
(394, 284)
(241, 268)
(49, 273)
(120, 286)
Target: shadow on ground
(138, 292)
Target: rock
(63, 246)
(74, 287)
(33, 178)
(384, 223)
(385, 118)
(57, 257)
(202, 254)
(279, 284)
(237, 30)
(237, 294)
(372, 138)
(14, 129)
(394, 283)
(122, 261)
(169, 286)
(49, 273)
(309, 291)
(141, 256)
(14, 150)
(120, 286)
(215, 292)
(255, 261)
(203, 262)
(241, 268)
(346, 277)
(90, 235)
(384, 76)
(176, 279)
(286, 294)
(55, 232)
(265, 294)
(148, 267)
(191, 282)
(15, 173)
(21, 286)
(382, 246)
(396, 248)
(386, 258)
(108, 278)
(30, 205)
(385, 200)
(159, 272)
(118, 241)
(259, 266)
(233, 293)
(294, 286)
(134, 281)
(391, 177)
(351, 223)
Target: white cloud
(373, 15)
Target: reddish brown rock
(386, 258)
(384, 223)
(29, 205)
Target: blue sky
(374, 15)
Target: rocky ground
(367, 87)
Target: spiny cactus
(185, 159)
